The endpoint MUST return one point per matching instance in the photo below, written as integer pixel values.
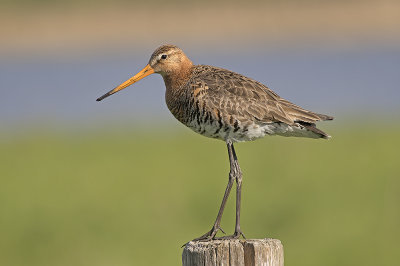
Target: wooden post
(248, 252)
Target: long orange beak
(147, 70)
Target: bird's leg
(236, 172)
(216, 227)
(239, 175)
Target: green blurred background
(111, 183)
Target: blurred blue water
(62, 90)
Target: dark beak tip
(103, 96)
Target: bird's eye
(164, 56)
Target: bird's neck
(176, 79)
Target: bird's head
(165, 60)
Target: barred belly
(224, 131)
(253, 131)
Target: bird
(228, 106)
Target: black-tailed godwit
(225, 105)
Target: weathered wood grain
(249, 252)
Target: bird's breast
(211, 122)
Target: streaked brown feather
(254, 100)
(223, 104)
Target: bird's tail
(312, 127)
(324, 117)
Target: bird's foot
(235, 235)
(210, 235)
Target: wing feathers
(256, 101)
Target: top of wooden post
(235, 252)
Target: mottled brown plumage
(232, 98)
(222, 104)
(198, 95)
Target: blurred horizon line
(342, 119)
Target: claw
(210, 235)
(236, 235)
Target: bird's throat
(178, 77)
